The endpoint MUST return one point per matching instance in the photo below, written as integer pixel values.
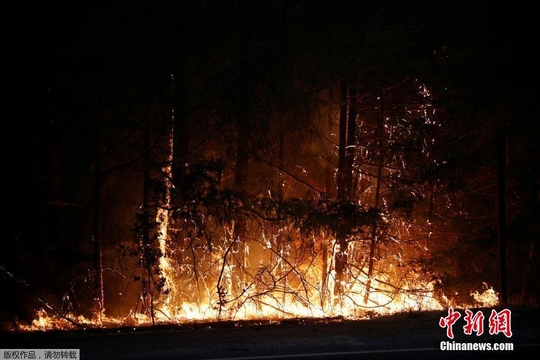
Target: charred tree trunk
(96, 236)
(280, 239)
(350, 144)
(373, 242)
(243, 139)
(341, 188)
(148, 258)
(180, 149)
(180, 130)
(241, 181)
(96, 228)
(148, 293)
(343, 180)
(329, 188)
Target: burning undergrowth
(380, 234)
(288, 264)
(203, 253)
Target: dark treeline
(384, 126)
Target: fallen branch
(40, 298)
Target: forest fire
(206, 251)
(188, 313)
(294, 162)
(274, 304)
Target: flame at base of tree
(195, 269)
(272, 285)
(268, 308)
(216, 254)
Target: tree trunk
(350, 144)
(373, 243)
(340, 255)
(341, 188)
(243, 140)
(280, 239)
(96, 229)
(180, 149)
(180, 128)
(145, 226)
(148, 258)
(96, 237)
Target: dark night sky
(44, 34)
(54, 53)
